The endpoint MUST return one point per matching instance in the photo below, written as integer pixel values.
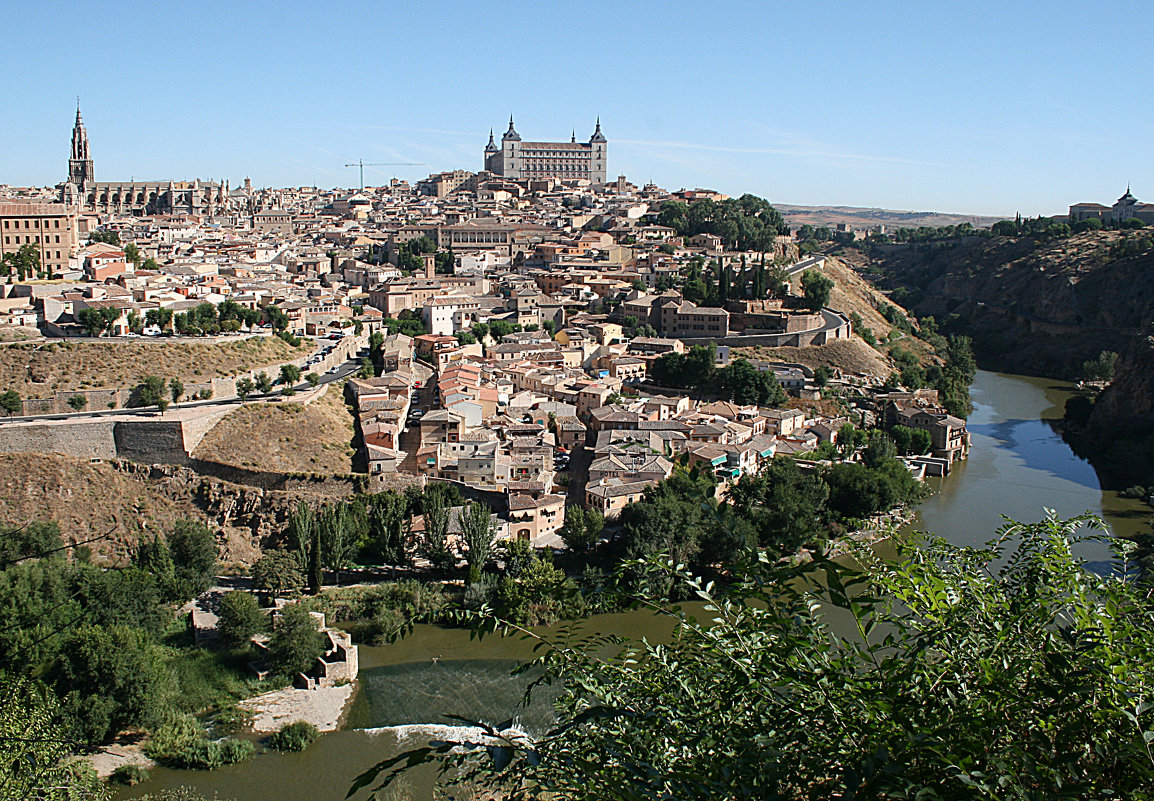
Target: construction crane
(363, 164)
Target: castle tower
(598, 167)
(490, 152)
(80, 171)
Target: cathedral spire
(80, 159)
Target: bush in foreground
(1009, 671)
(294, 737)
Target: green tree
(194, 555)
(582, 528)
(159, 317)
(10, 402)
(240, 617)
(276, 318)
(278, 572)
(880, 449)
(105, 236)
(132, 254)
(263, 382)
(976, 690)
(339, 537)
(1102, 368)
(176, 389)
(388, 518)
(110, 679)
(477, 533)
(91, 320)
(151, 392)
(78, 402)
(313, 379)
(244, 387)
(135, 322)
(817, 288)
(434, 543)
(290, 374)
(295, 642)
(36, 748)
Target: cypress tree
(316, 575)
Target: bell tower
(80, 171)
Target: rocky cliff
(1119, 435)
(1032, 306)
(128, 500)
(1043, 307)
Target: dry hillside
(852, 295)
(17, 333)
(285, 437)
(39, 369)
(851, 356)
(85, 500)
(859, 217)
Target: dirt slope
(285, 437)
(39, 369)
(849, 355)
(85, 500)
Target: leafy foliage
(295, 642)
(1008, 671)
(35, 748)
(294, 736)
(240, 617)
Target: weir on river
(1018, 466)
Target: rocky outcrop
(1037, 307)
(1118, 437)
(249, 518)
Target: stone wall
(151, 441)
(90, 439)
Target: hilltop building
(565, 161)
(1124, 208)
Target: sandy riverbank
(323, 708)
(111, 757)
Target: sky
(973, 108)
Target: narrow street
(411, 436)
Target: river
(1018, 467)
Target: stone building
(1124, 208)
(54, 228)
(566, 161)
(134, 197)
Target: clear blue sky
(979, 107)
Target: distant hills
(864, 218)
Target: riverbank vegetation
(962, 673)
(105, 652)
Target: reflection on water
(1019, 466)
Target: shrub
(130, 775)
(294, 737)
(180, 743)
